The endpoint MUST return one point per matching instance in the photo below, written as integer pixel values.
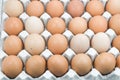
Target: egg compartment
(69, 53)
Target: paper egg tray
(68, 54)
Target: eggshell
(75, 8)
(113, 6)
(13, 26)
(12, 66)
(80, 43)
(118, 61)
(116, 42)
(56, 25)
(35, 8)
(98, 24)
(114, 23)
(58, 65)
(105, 63)
(34, 25)
(57, 44)
(101, 42)
(81, 63)
(12, 45)
(13, 8)
(55, 8)
(35, 66)
(34, 44)
(77, 25)
(95, 7)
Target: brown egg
(77, 25)
(35, 66)
(93, 9)
(56, 25)
(34, 44)
(105, 63)
(55, 8)
(98, 24)
(75, 8)
(113, 6)
(58, 65)
(57, 44)
(118, 61)
(12, 66)
(81, 63)
(116, 42)
(35, 8)
(114, 23)
(12, 45)
(13, 8)
(13, 26)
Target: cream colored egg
(34, 25)
(13, 8)
(80, 43)
(101, 42)
(34, 44)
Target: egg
(93, 9)
(35, 66)
(35, 8)
(80, 43)
(12, 45)
(55, 8)
(105, 63)
(118, 61)
(81, 64)
(101, 42)
(114, 23)
(113, 6)
(12, 66)
(116, 42)
(57, 44)
(75, 8)
(34, 44)
(13, 8)
(56, 25)
(77, 25)
(58, 65)
(98, 24)
(13, 26)
(34, 25)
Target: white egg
(34, 25)
(101, 42)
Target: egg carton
(68, 54)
